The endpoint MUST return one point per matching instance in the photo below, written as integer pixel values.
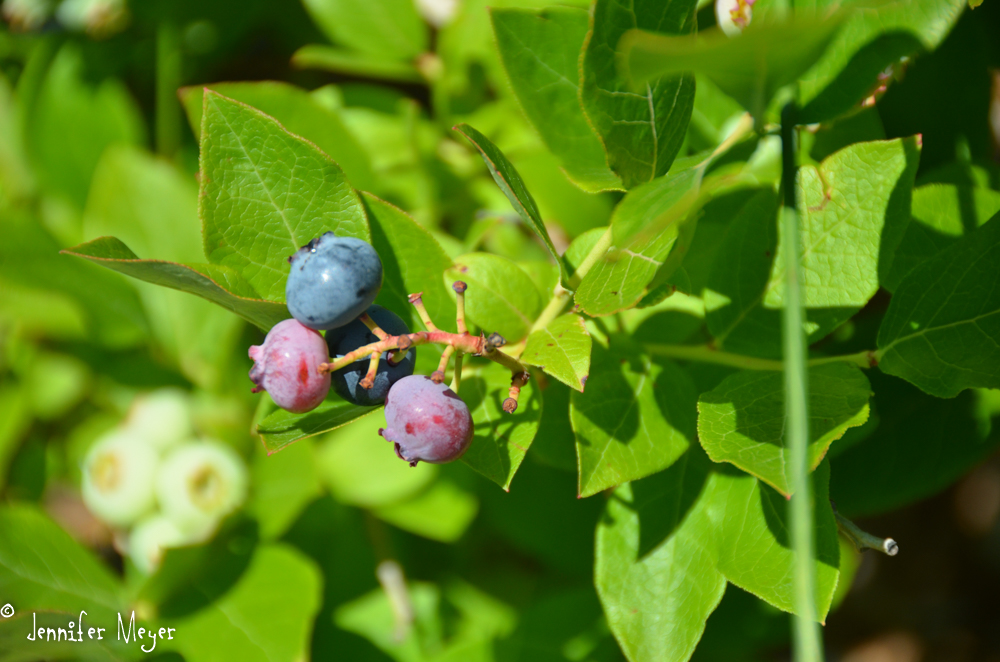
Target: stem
(706, 354)
(595, 254)
(807, 637)
(864, 540)
(168, 79)
(456, 379)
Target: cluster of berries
(371, 352)
(158, 485)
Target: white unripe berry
(117, 478)
(150, 538)
(161, 418)
(199, 483)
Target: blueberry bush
(426, 330)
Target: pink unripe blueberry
(426, 421)
(287, 366)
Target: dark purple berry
(332, 280)
(286, 366)
(356, 334)
(426, 421)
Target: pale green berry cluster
(153, 478)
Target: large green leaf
(942, 213)
(635, 418)
(742, 419)
(943, 324)
(561, 349)
(751, 68)
(645, 226)
(541, 53)
(412, 261)
(267, 616)
(854, 209)
(875, 36)
(669, 542)
(642, 132)
(920, 446)
(219, 284)
(299, 112)
(501, 439)
(501, 297)
(510, 182)
(265, 193)
(42, 568)
(283, 427)
(744, 258)
(384, 29)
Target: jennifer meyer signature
(80, 634)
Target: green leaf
(265, 193)
(283, 485)
(635, 418)
(299, 112)
(541, 53)
(645, 226)
(854, 209)
(874, 37)
(642, 132)
(743, 261)
(669, 542)
(372, 616)
(940, 332)
(219, 284)
(267, 616)
(386, 29)
(501, 440)
(443, 512)
(42, 568)
(742, 419)
(501, 297)
(412, 261)
(921, 446)
(510, 182)
(561, 349)
(353, 63)
(942, 213)
(283, 427)
(751, 68)
(360, 468)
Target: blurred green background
(97, 103)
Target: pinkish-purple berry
(426, 421)
(286, 366)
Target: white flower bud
(733, 16)
(199, 483)
(161, 418)
(117, 478)
(437, 12)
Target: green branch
(707, 354)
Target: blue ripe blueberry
(332, 281)
(426, 421)
(348, 338)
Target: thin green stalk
(807, 638)
(168, 79)
(706, 354)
